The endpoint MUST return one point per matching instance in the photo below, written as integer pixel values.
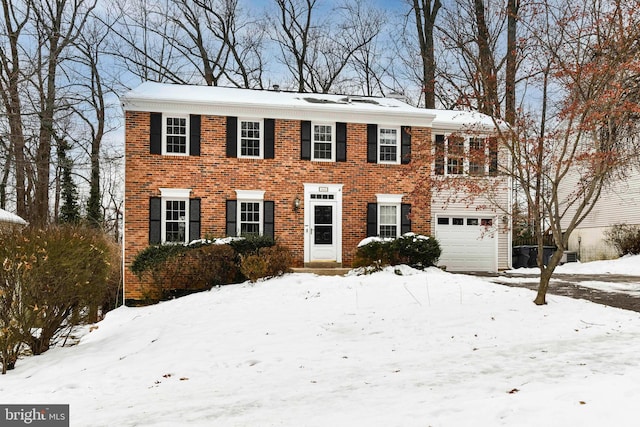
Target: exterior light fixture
(296, 204)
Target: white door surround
(323, 223)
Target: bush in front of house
(197, 269)
(268, 262)
(624, 238)
(415, 250)
(51, 280)
(177, 270)
(251, 244)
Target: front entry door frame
(321, 195)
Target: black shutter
(194, 219)
(341, 142)
(439, 162)
(269, 138)
(372, 219)
(155, 141)
(232, 136)
(405, 218)
(405, 144)
(232, 229)
(493, 156)
(194, 135)
(155, 220)
(305, 140)
(268, 226)
(372, 143)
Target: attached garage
(469, 243)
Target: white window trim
(174, 194)
(394, 200)
(333, 141)
(465, 157)
(164, 133)
(398, 143)
(239, 142)
(250, 196)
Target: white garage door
(468, 243)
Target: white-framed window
(477, 156)
(251, 138)
(175, 215)
(250, 212)
(388, 145)
(455, 156)
(175, 135)
(323, 147)
(389, 214)
(458, 155)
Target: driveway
(614, 290)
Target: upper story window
(388, 144)
(176, 129)
(323, 142)
(250, 138)
(250, 141)
(457, 155)
(174, 134)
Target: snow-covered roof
(217, 100)
(471, 121)
(11, 218)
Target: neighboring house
(317, 172)
(9, 219)
(618, 204)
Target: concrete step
(331, 271)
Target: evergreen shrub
(411, 249)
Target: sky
(395, 348)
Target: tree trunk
(425, 15)
(512, 56)
(489, 103)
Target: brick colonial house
(317, 172)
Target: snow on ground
(628, 265)
(418, 349)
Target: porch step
(323, 264)
(330, 271)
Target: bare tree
(39, 34)
(12, 78)
(315, 49)
(513, 7)
(188, 41)
(473, 56)
(582, 134)
(425, 12)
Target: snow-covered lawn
(417, 349)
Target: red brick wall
(213, 177)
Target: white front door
(322, 229)
(323, 223)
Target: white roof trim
(224, 101)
